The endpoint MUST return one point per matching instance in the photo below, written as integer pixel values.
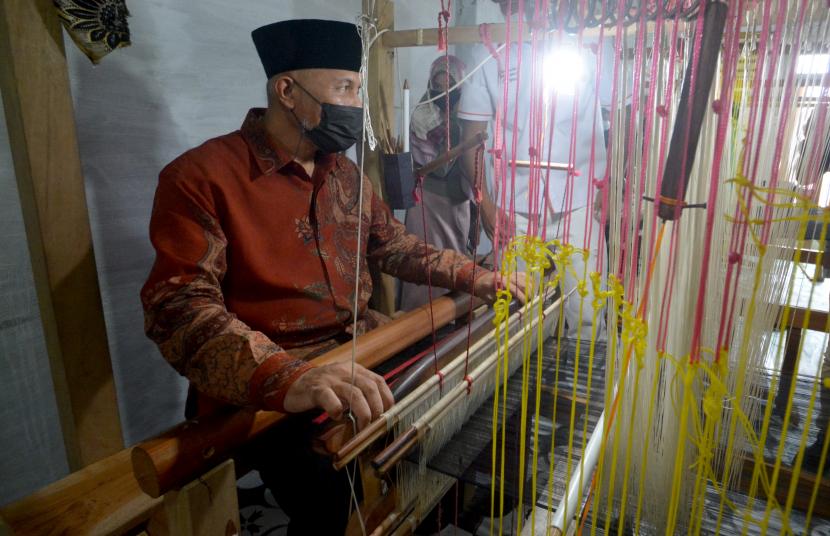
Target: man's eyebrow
(344, 79)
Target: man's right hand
(330, 388)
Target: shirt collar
(269, 157)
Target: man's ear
(284, 90)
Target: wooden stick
(448, 156)
(404, 444)
(457, 340)
(690, 113)
(543, 165)
(393, 520)
(336, 439)
(188, 450)
(368, 435)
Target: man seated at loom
(443, 216)
(257, 236)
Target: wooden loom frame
(104, 497)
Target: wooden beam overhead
(39, 113)
(423, 37)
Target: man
(256, 238)
(479, 104)
(445, 202)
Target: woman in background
(447, 193)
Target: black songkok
(307, 44)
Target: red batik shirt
(255, 263)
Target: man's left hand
(485, 286)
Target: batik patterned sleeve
(405, 256)
(185, 314)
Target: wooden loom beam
(189, 449)
(102, 498)
(39, 112)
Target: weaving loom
(718, 133)
(689, 417)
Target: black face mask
(441, 101)
(339, 128)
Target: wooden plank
(803, 492)
(102, 498)
(381, 92)
(39, 114)
(818, 319)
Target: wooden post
(35, 84)
(381, 93)
(205, 507)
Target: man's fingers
(328, 400)
(353, 397)
(370, 391)
(385, 391)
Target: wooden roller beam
(181, 454)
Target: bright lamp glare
(812, 63)
(564, 69)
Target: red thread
(469, 381)
(416, 192)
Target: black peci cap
(307, 44)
